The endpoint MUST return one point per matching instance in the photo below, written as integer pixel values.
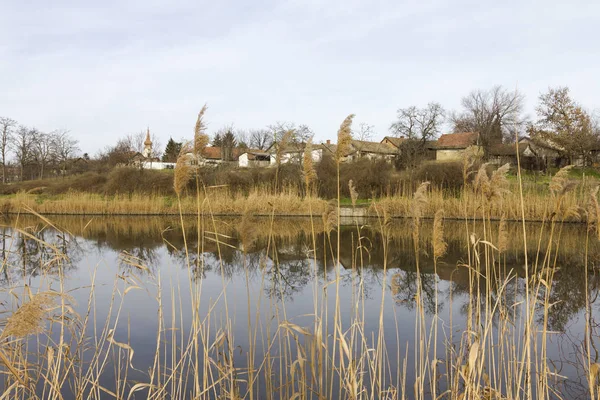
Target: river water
(251, 275)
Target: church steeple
(147, 145)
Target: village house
(392, 141)
(371, 151)
(506, 153)
(451, 146)
(294, 152)
(255, 158)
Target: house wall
(317, 155)
(157, 165)
(297, 157)
(372, 156)
(389, 143)
(448, 154)
(243, 161)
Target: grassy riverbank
(126, 191)
(457, 204)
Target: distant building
(147, 152)
(450, 146)
(371, 151)
(145, 160)
(393, 141)
(255, 158)
(294, 152)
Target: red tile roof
(460, 140)
(214, 153)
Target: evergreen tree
(217, 140)
(171, 151)
(228, 143)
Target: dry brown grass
(28, 319)
(501, 353)
(257, 202)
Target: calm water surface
(260, 271)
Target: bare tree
(242, 137)
(491, 113)
(43, 151)
(364, 132)
(300, 133)
(421, 124)
(65, 148)
(120, 153)
(417, 126)
(22, 145)
(260, 139)
(7, 126)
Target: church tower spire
(147, 145)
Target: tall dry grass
(500, 354)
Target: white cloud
(106, 69)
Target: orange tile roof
(214, 153)
(460, 140)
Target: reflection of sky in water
(257, 285)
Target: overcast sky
(103, 69)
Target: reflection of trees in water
(286, 256)
(568, 294)
(404, 286)
(29, 253)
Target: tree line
(33, 154)
(497, 114)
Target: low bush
(133, 180)
(442, 174)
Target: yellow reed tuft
(344, 139)
(418, 203)
(283, 144)
(29, 317)
(310, 175)
(560, 183)
(183, 169)
(200, 136)
(353, 192)
(439, 244)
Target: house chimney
(328, 141)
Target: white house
(294, 153)
(255, 158)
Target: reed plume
(560, 183)
(439, 244)
(310, 175)
(344, 139)
(492, 187)
(482, 181)
(29, 317)
(329, 218)
(353, 192)
(200, 136)
(183, 169)
(418, 203)
(470, 157)
(283, 144)
(593, 210)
